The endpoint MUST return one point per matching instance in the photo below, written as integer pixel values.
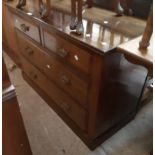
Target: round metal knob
(24, 28)
(65, 106)
(63, 53)
(65, 79)
(33, 75)
(29, 50)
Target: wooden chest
(94, 89)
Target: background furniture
(14, 138)
(140, 7)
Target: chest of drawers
(94, 89)
(76, 86)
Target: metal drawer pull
(33, 75)
(63, 53)
(65, 79)
(29, 50)
(24, 28)
(65, 106)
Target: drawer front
(68, 52)
(71, 108)
(28, 28)
(56, 71)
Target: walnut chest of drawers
(94, 89)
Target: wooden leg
(148, 32)
(44, 8)
(79, 28)
(79, 13)
(119, 9)
(89, 2)
(73, 23)
(73, 8)
(76, 17)
(21, 3)
(124, 7)
(127, 4)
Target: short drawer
(65, 103)
(73, 54)
(55, 70)
(28, 28)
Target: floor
(49, 135)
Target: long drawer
(29, 28)
(70, 107)
(69, 52)
(56, 71)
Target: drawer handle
(29, 50)
(65, 80)
(65, 106)
(63, 53)
(24, 27)
(33, 75)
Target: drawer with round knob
(67, 51)
(62, 100)
(71, 82)
(29, 28)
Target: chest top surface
(103, 31)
